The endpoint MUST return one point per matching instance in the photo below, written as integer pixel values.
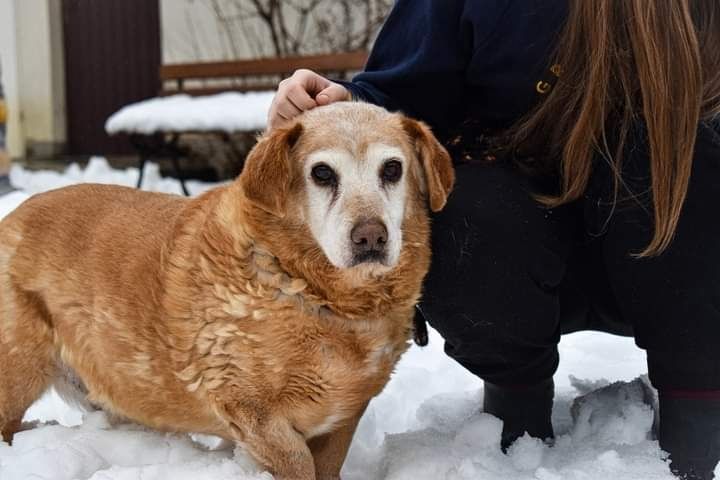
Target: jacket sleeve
(419, 61)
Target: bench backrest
(252, 75)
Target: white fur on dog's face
(360, 195)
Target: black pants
(509, 276)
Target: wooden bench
(253, 75)
(155, 133)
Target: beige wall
(8, 64)
(190, 33)
(40, 74)
(31, 50)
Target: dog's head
(350, 175)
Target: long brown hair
(624, 59)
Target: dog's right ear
(267, 173)
(435, 160)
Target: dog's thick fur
(218, 314)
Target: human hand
(304, 90)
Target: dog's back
(70, 260)
(88, 238)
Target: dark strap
(420, 330)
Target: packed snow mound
(225, 112)
(451, 440)
(98, 170)
(426, 424)
(98, 451)
(611, 438)
(9, 202)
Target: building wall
(31, 53)
(8, 66)
(41, 89)
(191, 31)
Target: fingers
(303, 91)
(300, 98)
(333, 93)
(288, 110)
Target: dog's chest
(325, 357)
(332, 381)
(318, 371)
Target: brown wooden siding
(112, 57)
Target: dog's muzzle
(369, 240)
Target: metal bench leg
(143, 161)
(176, 152)
(180, 176)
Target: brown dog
(268, 312)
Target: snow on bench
(224, 112)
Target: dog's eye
(324, 175)
(391, 171)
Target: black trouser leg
(673, 301)
(492, 292)
(522, 409)
(498, 259)
(690, 432)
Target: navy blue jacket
(444, 61)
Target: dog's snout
(369, 236)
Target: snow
(426, 425)
(99, 171)
(227, 112)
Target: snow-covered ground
(426, 425)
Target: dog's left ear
(267, 173)
(436, 162)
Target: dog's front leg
(282, 450)
(329, 450)
(271, 439)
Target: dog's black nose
(369, 236)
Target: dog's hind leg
(27, 355)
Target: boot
(690, 433)
(522, 409)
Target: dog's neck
(244, 245)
